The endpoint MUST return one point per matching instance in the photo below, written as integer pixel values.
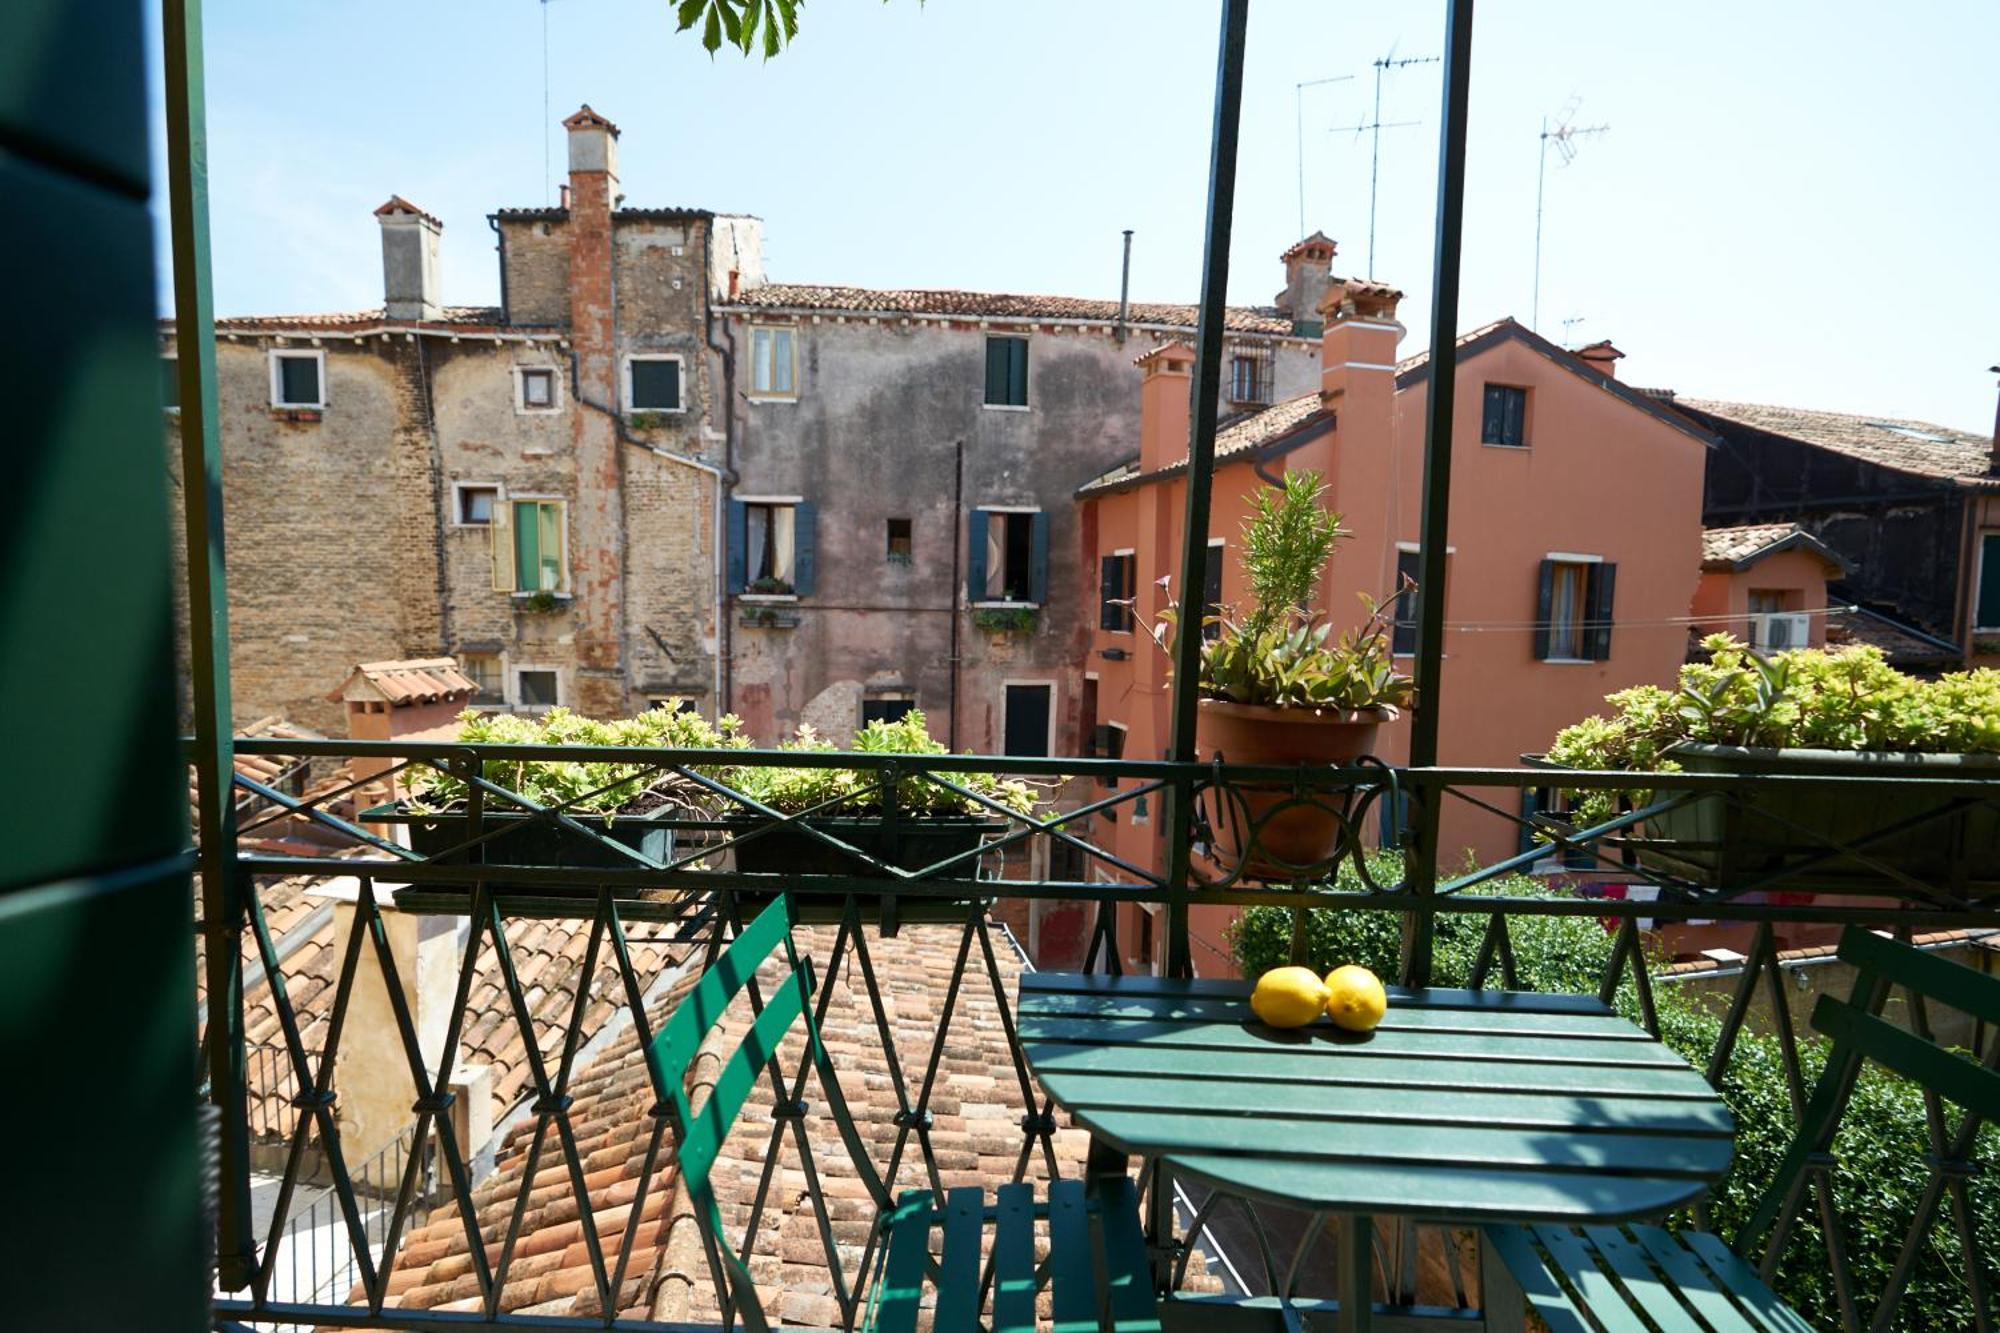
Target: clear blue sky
(1795, 203)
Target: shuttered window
(1006, 372)
(653, 384)
(1007, 559)
(1574, 612)
(1409, 611)
(1505, 418)
(772, 547)
(1988, 616)
(539, 558)
(1115, 587)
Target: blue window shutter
(805, 549)
(1598, 601)
(975, 556)
(1545, 600)
(738, 539)
(1038, 569)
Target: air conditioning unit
(1780, 630)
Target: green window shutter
(170, 381)
(1017, 372)
(298, 380)
(1006, 371)
(996, 371)
(1038, 567)
(805, 549)
(1598, 595)
(527, 546)
(1110, 587)
(975, 556)
(1545, 600)
(737, 556)
(1409, 610)
(1989, 582)
(656, 385)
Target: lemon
(1289, 997)
(1355, 999)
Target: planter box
(914, 844)
(538, 844)
(1720, 840)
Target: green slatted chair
(1601, 1279)
(1097, 1271)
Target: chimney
(1166, 398)
(410, 286)
(1357, 365)
(1601, 355)
(1308, 269)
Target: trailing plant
(1847, 699)
(847, 791)
(1005, 619)
(770, 586)
(539, 603)
(1283, 653)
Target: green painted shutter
(1545, 599)
(527, 546)
(996, 371)
(1110, 587)
(737, 557)
(805, 549)
(1017, 372)
(1038, 567)
(975, 556)
(1989, 582)
(549, 545)
(1598, 599)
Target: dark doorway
(1026, 720)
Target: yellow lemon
(1289, 997)
(1355, 999)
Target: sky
(1793, 202)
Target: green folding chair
(1097, 1270)
(1602, 1279)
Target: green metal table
(1462, 1107)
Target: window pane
(527, 546)
(298, 380)
(656, 386)
(781, 361)
(900, 544)
(1566, 612)
(537, 388)
(550, 548)
(538, 689)
(1404, 637)
(170, 381)
(475, 504)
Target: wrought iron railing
(693, 890)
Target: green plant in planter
(1283, 653)
(1005, 620)
(648, 420)
(540, 603)
(770, 587)
(853, 792)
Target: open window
(1009, 557)
(1027, 719)
(773, 547)
(1117, 583)
(537, 689)
(530, 546)
(1573, 613)
(473, 503)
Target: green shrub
(788, 790)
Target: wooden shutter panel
(1038, 559)
(1110, 587)
(1017, 372)
(975, 556)
(500, 533)
(805, 550)
(736, 556)
(1545, 599)
(996, 370)
(1599, 589)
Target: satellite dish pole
(1374, 127)
(1564, 137)
(1299, 110)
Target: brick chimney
(1308, 269)
(1601, 355)
(597, 534)
(1357, 369)
(410, 285)
(1166, 398)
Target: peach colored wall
(1722, 598)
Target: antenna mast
(1374, 126)
(1299, 111)
(1564, 137)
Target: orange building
(1766, 584)
(1574, 548)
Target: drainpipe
(1125, 287)
(957, 531)
(725, 637)
(499, 248)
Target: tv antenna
(1569, 329)
(1374, 126)
(1563, 136)
(1299, 108)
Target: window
(472, 505)
(1987, 607)
(1573, 616)
(773, 363)
(1009, 556)
(1211, 591)
(535, 687)
(1006, 372)
(1505, 418)
(771, 547)
(901, 548)
(535, 389)
(296, 379)
(1553, 803)
(170, 383)
(652, 384)
(1768, 601)
(1117, 576)
(1086, 716)
(530, 546)
(1025, 719)
(1403, 639)
(885, 710)
(483, 669)
(1250, 377)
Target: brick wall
(536, 270)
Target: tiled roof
(1939, 939)
(1902, 645)
(1237, 437)
(398, 204)
(1740, 547)
(415, 680)
(466, 317)
(1917, 447)
(996, 305)
(976, 1138)
(637, 214)
(1319, 241)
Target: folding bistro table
(1463, 1106)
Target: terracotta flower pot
(1258, 829)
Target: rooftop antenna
(548, 176)
(1299, 109)
(1569, 327)
(1564, 137)
(1374, 126)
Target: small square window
(536, 689)
(170, 383)
(538, 389)
(295, 380)
(901, 548)
(653, 384)
(484, 671)
(475, 505)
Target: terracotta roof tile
(409, 681)
(997, 305)
(1739, 547)
(1902, 645)
(1237, 437)
(1917, 447)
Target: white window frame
(626, 377)
(1568, 558)
(1049, 743)
(790, 395)
(521, 407)
(458, 502)
(277, 354)
(514, 692)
